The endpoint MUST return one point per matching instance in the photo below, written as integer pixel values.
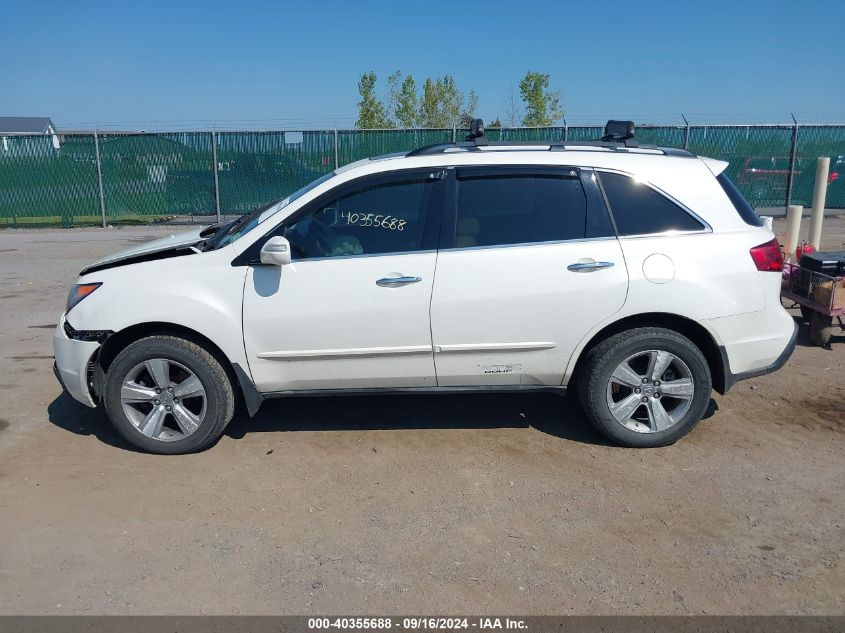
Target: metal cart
(820, 297)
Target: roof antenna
(476, 133)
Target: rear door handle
(387, 282)
(588, 267)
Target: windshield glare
(248, 222)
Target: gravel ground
(409, 504)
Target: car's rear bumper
(753, 343)
(731, 378)
(71, 365)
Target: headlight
(78, 293)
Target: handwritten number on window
(380, 221)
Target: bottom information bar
(296, 624)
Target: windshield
(244, 224)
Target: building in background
(28, 126)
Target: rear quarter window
(638, 209)
(745, 210)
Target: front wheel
(168, 395)
(645, 387)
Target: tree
(443, 105)
(542, 106)
(430, 111)
(513, 110)
(452, 102)
(468, 112)
(392, 94)
(404, 104)
(371, 111)
(494, 125)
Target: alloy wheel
(650, 391)
(163, 399)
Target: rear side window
(517, 209)
(746, 212)
(640, 210)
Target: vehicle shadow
(70, 415)
(555, 415)
(550, 413)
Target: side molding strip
(493, 347)
(313, 354)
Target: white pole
(336, 152)
(793, 227)
(100, 177)
(819, 198)
(214, 170)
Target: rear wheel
(645, 387)
(168, 395)
(820, 329)
(806, 313)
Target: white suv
(639, 272)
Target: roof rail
(618, 136)
(553, 146)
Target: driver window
(380, 218)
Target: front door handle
(588, 267)
(388, 282)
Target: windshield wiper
(236, 225)
(212, 229)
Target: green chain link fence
(49, 181)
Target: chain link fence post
(565, 130)
(100, 177)
(790, 181)
(214, 170)
(686, 132)
(336, 151)
(454, 134)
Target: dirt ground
(410, 504)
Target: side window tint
(640, 210)
(501, 210)
(380, 218)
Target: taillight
(834, 175)
(767, 257)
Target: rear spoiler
(716, 166)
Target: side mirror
(276, 251)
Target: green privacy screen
(53, 181)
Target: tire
(143, 369)
(806, 313)
(820, 329)
(638, 350)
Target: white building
(11, 126)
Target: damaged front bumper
(74, 364)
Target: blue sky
(159, 65)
